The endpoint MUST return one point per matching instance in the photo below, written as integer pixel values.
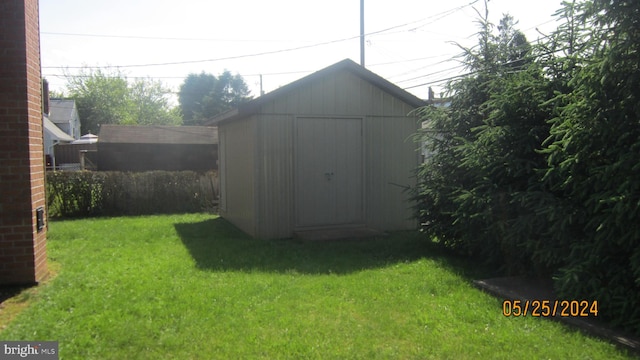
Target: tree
(101, 98)
(203, 96)
(484, 148)
(151, 104)
(535, 162)
(593, 151)
(106, 97)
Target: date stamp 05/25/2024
(550, 308)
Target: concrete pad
(338, 234)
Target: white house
(64, 113)
(61, 125)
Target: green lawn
(194, 287)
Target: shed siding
(391, 158)
(389, 155)
(275, 174)
(339, 94)
(237, 154)
(328, 172)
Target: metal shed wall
(389, 154)
(237, 141)
(338, 94)
(275, 187)
(391, 160)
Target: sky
(411, 43)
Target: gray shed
(331, 150)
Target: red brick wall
(22, 246)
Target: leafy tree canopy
(203, 96)
(107, 97)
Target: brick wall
(22, 245)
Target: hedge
(87, 193)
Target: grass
(192, 287)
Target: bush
(535, 169)
(86, 193)
(74, 194)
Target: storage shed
(156, 147)
(331, 150)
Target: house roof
(157, 134)
(61, 110)
(54, 131)
(253, 106)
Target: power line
(212, 60)
(424, 67)
(439, 16)
(237, 56)
(252, 75)
(441, 80)
(246, 75)
(456, 67)
(136, 37)
(531, 57)
(433, 73)
(173, 77)
(243, 75)
(446, 13)
(409, 60)
(375, 33)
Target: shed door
(329, 184)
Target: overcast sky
(409, 41)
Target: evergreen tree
(593, 154)
(484, 149)
(535, 163)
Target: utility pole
(261, 91)
(362, 33)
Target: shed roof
(253, 106)
(61, 110)
(157, 134)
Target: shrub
(74, 194)
(536, 169)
